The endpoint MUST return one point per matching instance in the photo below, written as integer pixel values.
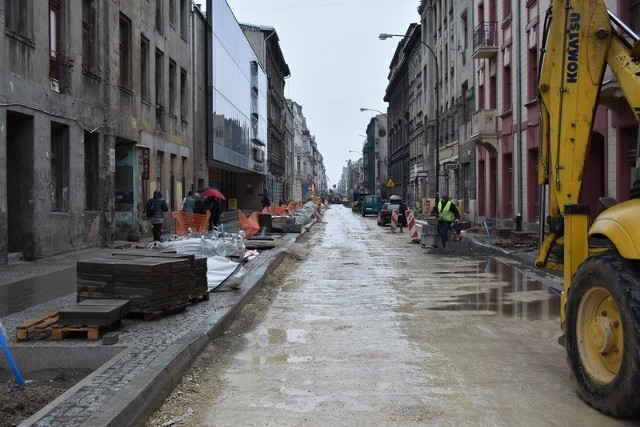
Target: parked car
(384, 216)
(371, 205)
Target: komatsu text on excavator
(600, 304)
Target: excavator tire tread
(621, 397)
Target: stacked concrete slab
(197, 264)
(152, 284)
(94, 312)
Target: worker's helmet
(395, 199)
(445, 197)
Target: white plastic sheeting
(220, 269)
(305, 214)
(224, 246)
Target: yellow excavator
(600, 260)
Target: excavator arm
(579, 42)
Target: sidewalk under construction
(133, 367)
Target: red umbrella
(213, 192)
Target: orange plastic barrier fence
(249, 225)
(185, 221)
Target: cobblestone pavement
(154, 353)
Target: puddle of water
(280, 336)
(280, 359)
(292, 285)
(17, 296)
(506, 291)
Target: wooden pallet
(42, 323)
(199, 297)
(48, 322)
(157, 314)
(94, 333)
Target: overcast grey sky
(337, 63)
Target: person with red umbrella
(212, 192)
(212, 203)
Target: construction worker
(446, 212)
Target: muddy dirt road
(372, 330)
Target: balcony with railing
(60, 71)
(485, 40)
(484, 127)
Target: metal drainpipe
(519, 105)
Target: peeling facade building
(94, 116)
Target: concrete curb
(132, 404)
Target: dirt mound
(19, 403)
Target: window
(172, 87)
(160, 89)
(492, 92)
(54, 37)
(183, 94)
(506, 94)
(125, 51)
(462, 44)
(59, 167)
(18, 17)
(89, 42)
(465, 106)
(91, 165)
(159, 163)
(173, 203)
(144, 69)
(532, 79)
(184, 175)
(159, 16)
(506, 9)
(184, 15)
(172, 13)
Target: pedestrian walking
(199, 204)
(266, 203)
(216, 211)
(156, 207)
(189, 205)
(402, 218)
(446, 212)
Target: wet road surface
(20, 295)
(373, 330)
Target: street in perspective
(371, 329)
(219, 212)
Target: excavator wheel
(603, 334)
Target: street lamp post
(384, 36)
(371, 109)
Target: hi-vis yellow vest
(445, 213)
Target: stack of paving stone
(199, 284)
(198, 267)
(152, 284)
(94, 312)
